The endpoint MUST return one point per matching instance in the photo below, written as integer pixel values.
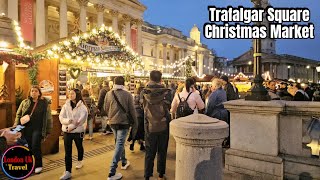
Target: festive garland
(33, 73)
(122, 56)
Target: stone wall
(270, 139)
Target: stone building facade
(280, 66)
(54, 19)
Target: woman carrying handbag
(73, 115)
(35, 114)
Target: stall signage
(98, 46)
(46, 87)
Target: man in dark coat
(102, 94)
(156, 104)
(230, 90)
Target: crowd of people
(143, 117)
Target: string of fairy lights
(121, 55)
(181, 64)
(68, 51)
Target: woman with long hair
(189, 94)
(39, 124)
(73, 115)
(140, 115)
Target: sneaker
(107, 132)
(125, 166)
(38, 170)
(161, 177)
(66, 175)
(115, 177)
(79, 165)
(131, 147)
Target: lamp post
(258, 91)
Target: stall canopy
(206, 78)
(101, 47)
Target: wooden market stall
(88, 58)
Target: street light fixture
(258, 91)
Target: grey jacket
(115, 114)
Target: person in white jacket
(73, 115)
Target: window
(142, 50)
(160, 54)
(151, 53)
(271, 44)
(168, 56)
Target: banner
(26, 19)
(134, 39)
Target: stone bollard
(198, 147)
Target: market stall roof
(206, 78)
(12, 46)
(100, 47)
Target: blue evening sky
(183, 14)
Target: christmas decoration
(4, 92)
(188, 68)
(100, 47)
(33, 73)
(74, 72)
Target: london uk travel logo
(17, 162)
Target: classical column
(4, 7)
(13, 9)
(40, 23)
(114, 15)
(127, 20)
(164, 56)
(180, 54)
(171, 57)
(83, 14)
(271, 70)
(262, 67)
(63, 16)
(100, 9)
(156, 59)
(139, 35)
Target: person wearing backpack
(156, 104)
(188, 101)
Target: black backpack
(183, 107)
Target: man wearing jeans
(119, 105)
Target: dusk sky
(183, 14)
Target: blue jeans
(119, 152)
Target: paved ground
(97, 159)
(98, 156)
